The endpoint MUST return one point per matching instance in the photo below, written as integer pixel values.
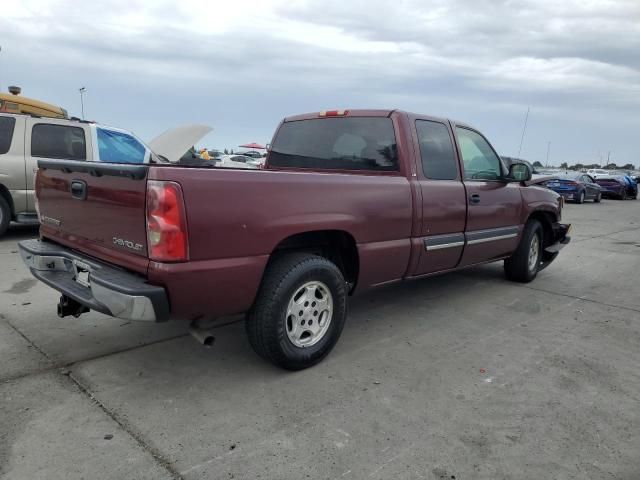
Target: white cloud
(562, 58)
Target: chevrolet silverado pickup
(347, 201)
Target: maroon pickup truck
(347, 201)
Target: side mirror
(519, 172)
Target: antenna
(524, 129)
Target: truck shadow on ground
(21, 232)
(381, 317)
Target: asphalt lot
(464, 376)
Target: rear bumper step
(95, 285)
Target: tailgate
(96, 208)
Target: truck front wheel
(300, 310)
(524, 264)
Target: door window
(436, 150)
(58, 141)
(479, 159)
(7, 124)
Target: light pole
(82, 90)
(548, 149)
(524, 129)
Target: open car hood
(174, 143)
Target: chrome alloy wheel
(309, 314)
(534, 253)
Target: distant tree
(231, 152)
(577, 166)
(226, 152)
(611, 166)
(628, 166)
(564, 165)
(537, 164)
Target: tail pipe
(202, 335)
(68, 306)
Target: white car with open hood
(25, 139)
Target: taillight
(166, 222)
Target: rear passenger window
(436, 150)
(58, 141)
(7, 124)
(352, 143)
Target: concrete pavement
(465, 375)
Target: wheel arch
(4, 193)
(339, 246)
(546, 219)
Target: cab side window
(436, 150)
(7, 124)
(58, 141)
(479, 159)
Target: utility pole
(548, 148)
(524, 129)
(82, 90)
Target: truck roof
(367, 113)
(30, 102)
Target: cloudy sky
(242, 65)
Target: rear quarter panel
(236, 218)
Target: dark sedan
(575, 186)
(617, 187)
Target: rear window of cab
(355, 143)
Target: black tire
(580, 197)
(598, 198)
(623, 196)
(516, 267)
(267, 322)
(5, 215)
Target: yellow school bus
(13, 102)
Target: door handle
(78, 189)
(474, 198)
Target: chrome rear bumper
(96, 285)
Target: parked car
(617, 187)
(348, 201)
(25, 139)
(252, 154)
(597, 173)
(237, 161)
(215, 154)
(575, 186)
(632, 186)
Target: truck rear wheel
(299, 312)
(5, 215)
(524, 264)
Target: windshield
(567, 176)
(119, 147)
